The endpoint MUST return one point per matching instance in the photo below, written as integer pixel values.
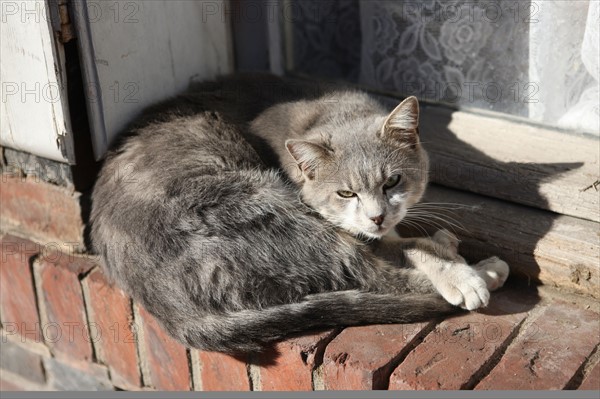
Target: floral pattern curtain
(532, 59)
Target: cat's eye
(391, 181)
(346, 194)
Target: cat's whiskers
(442, 217)
(415, 226)
(440, 206)
(436, 215)
(444, 205)
(428, 222)
(443, 209)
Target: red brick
(289, 366)
(549, 351)
(65, 326)
(592, 381)
(110, 311)
(164, 360)
(220, 372)
(363, 357)
(459, 347)
(41, 209)
(17, 292)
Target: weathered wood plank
(34, 114)
(542, 246)
(505, 159)
(169, 45)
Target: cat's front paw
(461, 285)
(494, 271)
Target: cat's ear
(402, 124)
(307, 155)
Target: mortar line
(493, 359)
(37, 292)
(89, 319)
(188, 354)
(387, 369)
(138, 337)
(316, 373)
(513, 339)
(584, 370)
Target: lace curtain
(533, 59)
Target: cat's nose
(378, 220)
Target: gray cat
(237, 234)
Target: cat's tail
(253, 330)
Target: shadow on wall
(486, 226)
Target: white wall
(139, 52)
(133, 53)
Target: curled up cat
(231, 249)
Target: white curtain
(537, 60)
(585, 114)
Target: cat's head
(363, 173)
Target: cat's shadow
(309, 349)
(517, 248)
